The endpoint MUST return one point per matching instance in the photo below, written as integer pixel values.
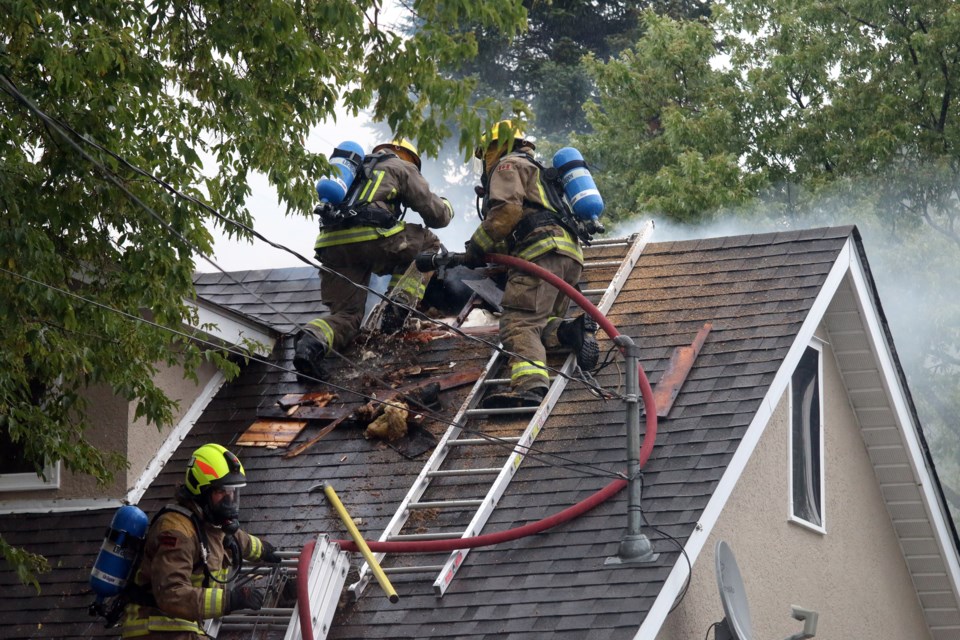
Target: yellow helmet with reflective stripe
(505, 134)
(213, 466)
(404, 146)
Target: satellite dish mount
(736, 624)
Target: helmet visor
(224, 505)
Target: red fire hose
(452, 544)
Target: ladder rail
(635, 245)
(422, 481)
(512, 464)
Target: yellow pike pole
(361, 543)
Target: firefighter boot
(394, 317)
(309, 354)
(515, 398)
(578, 335)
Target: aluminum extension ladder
(327, 575)
(417, 499)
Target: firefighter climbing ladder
(416, 499)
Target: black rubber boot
(514, 399)
(308, 355)
(579, 335)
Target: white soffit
(231, 328)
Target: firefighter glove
(245, 597)
(474, 256)
(449, 206)
(269, 553)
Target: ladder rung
(602, 263)
(259, 624)
(463, 472)
(445, 504)
(609, 242)
(504, 381)
(501, 412)
(463, 442)
(449, 535)
(593, 292)
(418, 569)
(265, 612)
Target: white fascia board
(176, 436)
(63, 505)
(909, 427)
(231, 328)
(698, 537)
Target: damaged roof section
(755, 292)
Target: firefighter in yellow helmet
(518, 218)
(191, 549)
(373, 239)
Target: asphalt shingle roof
(756, 290)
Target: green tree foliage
(667, 134)
(839, 112)
(542, 66)
(159, 83)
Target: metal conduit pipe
(574, 511)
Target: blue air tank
(578, 185)
(119, 551)
(346, 160)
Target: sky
(298, 232)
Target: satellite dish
(736, 624)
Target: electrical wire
(8, 86)
(664, 534)
(63, 127)
(530, 451)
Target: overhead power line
(532, 452)
(62, 128)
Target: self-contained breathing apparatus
(113, 573)
(346, 213)
(557, 184)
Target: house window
(806, 441)
(18, 474)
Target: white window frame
(32, 481)
(817, 346)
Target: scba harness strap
(562, 213)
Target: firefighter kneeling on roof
(367, 235)
(189, 551)
(517, 215)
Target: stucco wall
(854, 575)
(145, 439)
(139, 442)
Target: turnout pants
(355, 262)
(532, 310)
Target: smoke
(914, 268)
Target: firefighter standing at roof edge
(375, 240)
(189, 552)
(517, 214)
